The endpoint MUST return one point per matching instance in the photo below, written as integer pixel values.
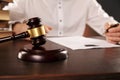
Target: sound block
(42, 55)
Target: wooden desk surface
(92, 64)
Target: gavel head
(36, 31)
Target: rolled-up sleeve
(97, 17)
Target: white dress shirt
(66, 17)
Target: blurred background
(112, 7)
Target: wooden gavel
(36, 32)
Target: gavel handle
(14, 37)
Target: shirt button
(60, 20)
(60, 33)
(59, 2)
(59, 7)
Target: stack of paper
(77, 42)
(4, 15)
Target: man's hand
(22, 27)
(19, 28)
(113, 34)
(47, 28)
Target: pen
(112, 26)
(90, 45)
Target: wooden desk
(94, 64)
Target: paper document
(78, 42)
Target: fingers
(113, 39)
(113, 34)
(47, 28)
(107, 25)
(115, 29)
(19, 28)
(22, 27)
(112, 27)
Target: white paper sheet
(78, 42)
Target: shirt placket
(60, 18)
